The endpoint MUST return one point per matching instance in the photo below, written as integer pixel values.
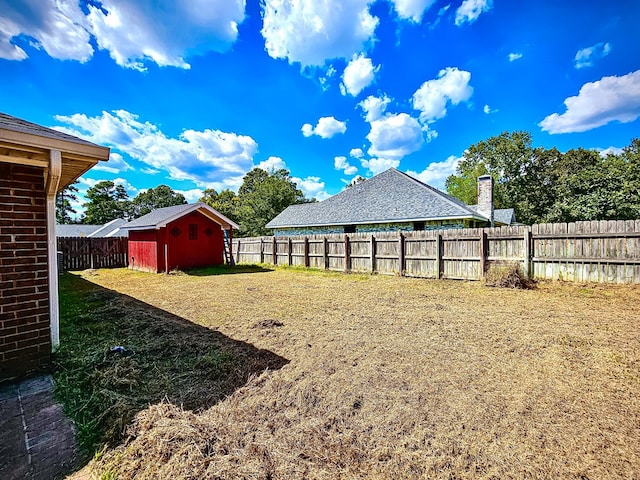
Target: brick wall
(25, 344)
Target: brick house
(35, 164)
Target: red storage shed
(180, 237)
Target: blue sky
(195, 94)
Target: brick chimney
(485, 197)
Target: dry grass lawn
(398, 378)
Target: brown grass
(399, 378)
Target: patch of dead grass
(399, 378)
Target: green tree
(159, 197)
(106, 201)
(506, 157)
(226, 202)
(545, 185)
(64, 209)
(590, 187)
(262, 196)
(631, 181)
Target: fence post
(306, 252)
(527, 252)
(274, 253)
(326, 253)
(484, 244)
(372, 257)
(347, 259)
(261, 251)
(400, 253)
(439, 263)
(290, 251)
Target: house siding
(369, 228)
(25, 337)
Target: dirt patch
(268, 324)
(397, 377)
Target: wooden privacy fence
(80, 253)
(600, 251)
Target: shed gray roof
(15, 124)
(391, 196)
(109, 229)
(75, 230)
(161, 216)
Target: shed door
(194, 241)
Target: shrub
(508, 276)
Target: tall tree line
(546, 185)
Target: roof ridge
(446, 196)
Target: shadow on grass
(227, 270)
(163, 357)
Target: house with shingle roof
(109, 229)
(390, 201)
(180, 237)
(35, 164)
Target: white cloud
(374, 107)
(208, 157)
(487, 109)
(598, 103)
(379, 164)
(131, 190)
(192, 195)
(311, 31)
(272, 164)
(436, 173)
(132, 31)
(395, 136)
(307, 129)
(587, 56)
(470, 10)
(451, 86)
(412, 9)
(312, 187)
(135, 31)
(326, 127)
(57, 26)
(358, 74)
(116, 164)
(148, 171)
(609, 151)
(341, 163)
(356, 153)
(514, 56)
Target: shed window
(349, 229)
(193, 231)
(418, 226)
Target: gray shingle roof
(161, 216)
(76, 230)
(506, 216)
(111, 229)
(391, 196)
(15, 124)
(158, 216)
